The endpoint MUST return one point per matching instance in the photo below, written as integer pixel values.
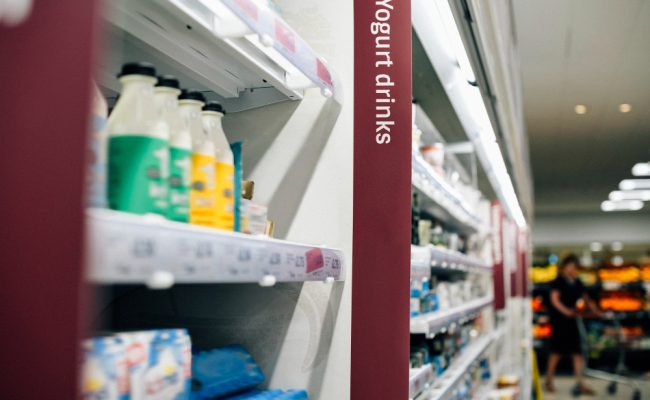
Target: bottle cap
(214, 106)
(169, 81)
(137, 68)
(192, 94)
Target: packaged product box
(104, 371)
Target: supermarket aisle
(564, 385)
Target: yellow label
(225, 196)
(203, 192)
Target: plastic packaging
(224, 371)
(204, 184)
(180, 148)
(224, 166)
(138, 146)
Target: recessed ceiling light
(617, 246)
(618, 195)
(622, 205)
(596, 246)
(634, 184)
(625, 108)
(641, 169)
(580, 109)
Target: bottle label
(225, 196)
(203, 191)
(137, 174)
(180, 163)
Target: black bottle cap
(214, 106)
(137, 68)
(169, 81)
(192, 94)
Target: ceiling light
(618, 195)
(625, 108)
(641, 169)
(580, 109)
(455, 40)
(623, 205)
(596, 246)
(634, 184)
(617, 246)
(617, 261)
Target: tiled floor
(564, 385)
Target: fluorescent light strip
(623, 205)
(634, 184)
(618, 195)
(454, 39)
(487, 148)
(641, 169)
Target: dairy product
(225, 168)
(159, 364)
(180, 148)
(138, 146)
(104, 373)
(203, 181)
(96, 176)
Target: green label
(179, 184)
(137, 174)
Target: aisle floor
(563, 386)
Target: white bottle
(180, 148)
(202, 191)
(225, 168)
(138, 148)
(97, 149)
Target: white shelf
(424, 258)
(127, 248)
(447, 382)
(444, 258)
(441, 199)
(420, 262)
(227, 46)
(419, 380)
(434, 322)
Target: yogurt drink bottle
(138, 147)
(224, 165)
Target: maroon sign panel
(382, 198)
(45, 65)
(497, 220)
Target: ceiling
(591, 52)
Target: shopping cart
(620, 375)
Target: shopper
(566, 291)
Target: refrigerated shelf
(434, 322)
(440, 198)
(136, 249)
(420, 262)
(447, 382)
(419, 380)
(423, 259)
(232, 47)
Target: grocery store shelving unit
(127, 248)
(437, 321)
(244, 52)
(285, 101)
(443, 200)
(445, 384)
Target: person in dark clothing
(566, 291)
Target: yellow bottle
(225, 168)
(203, 182)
